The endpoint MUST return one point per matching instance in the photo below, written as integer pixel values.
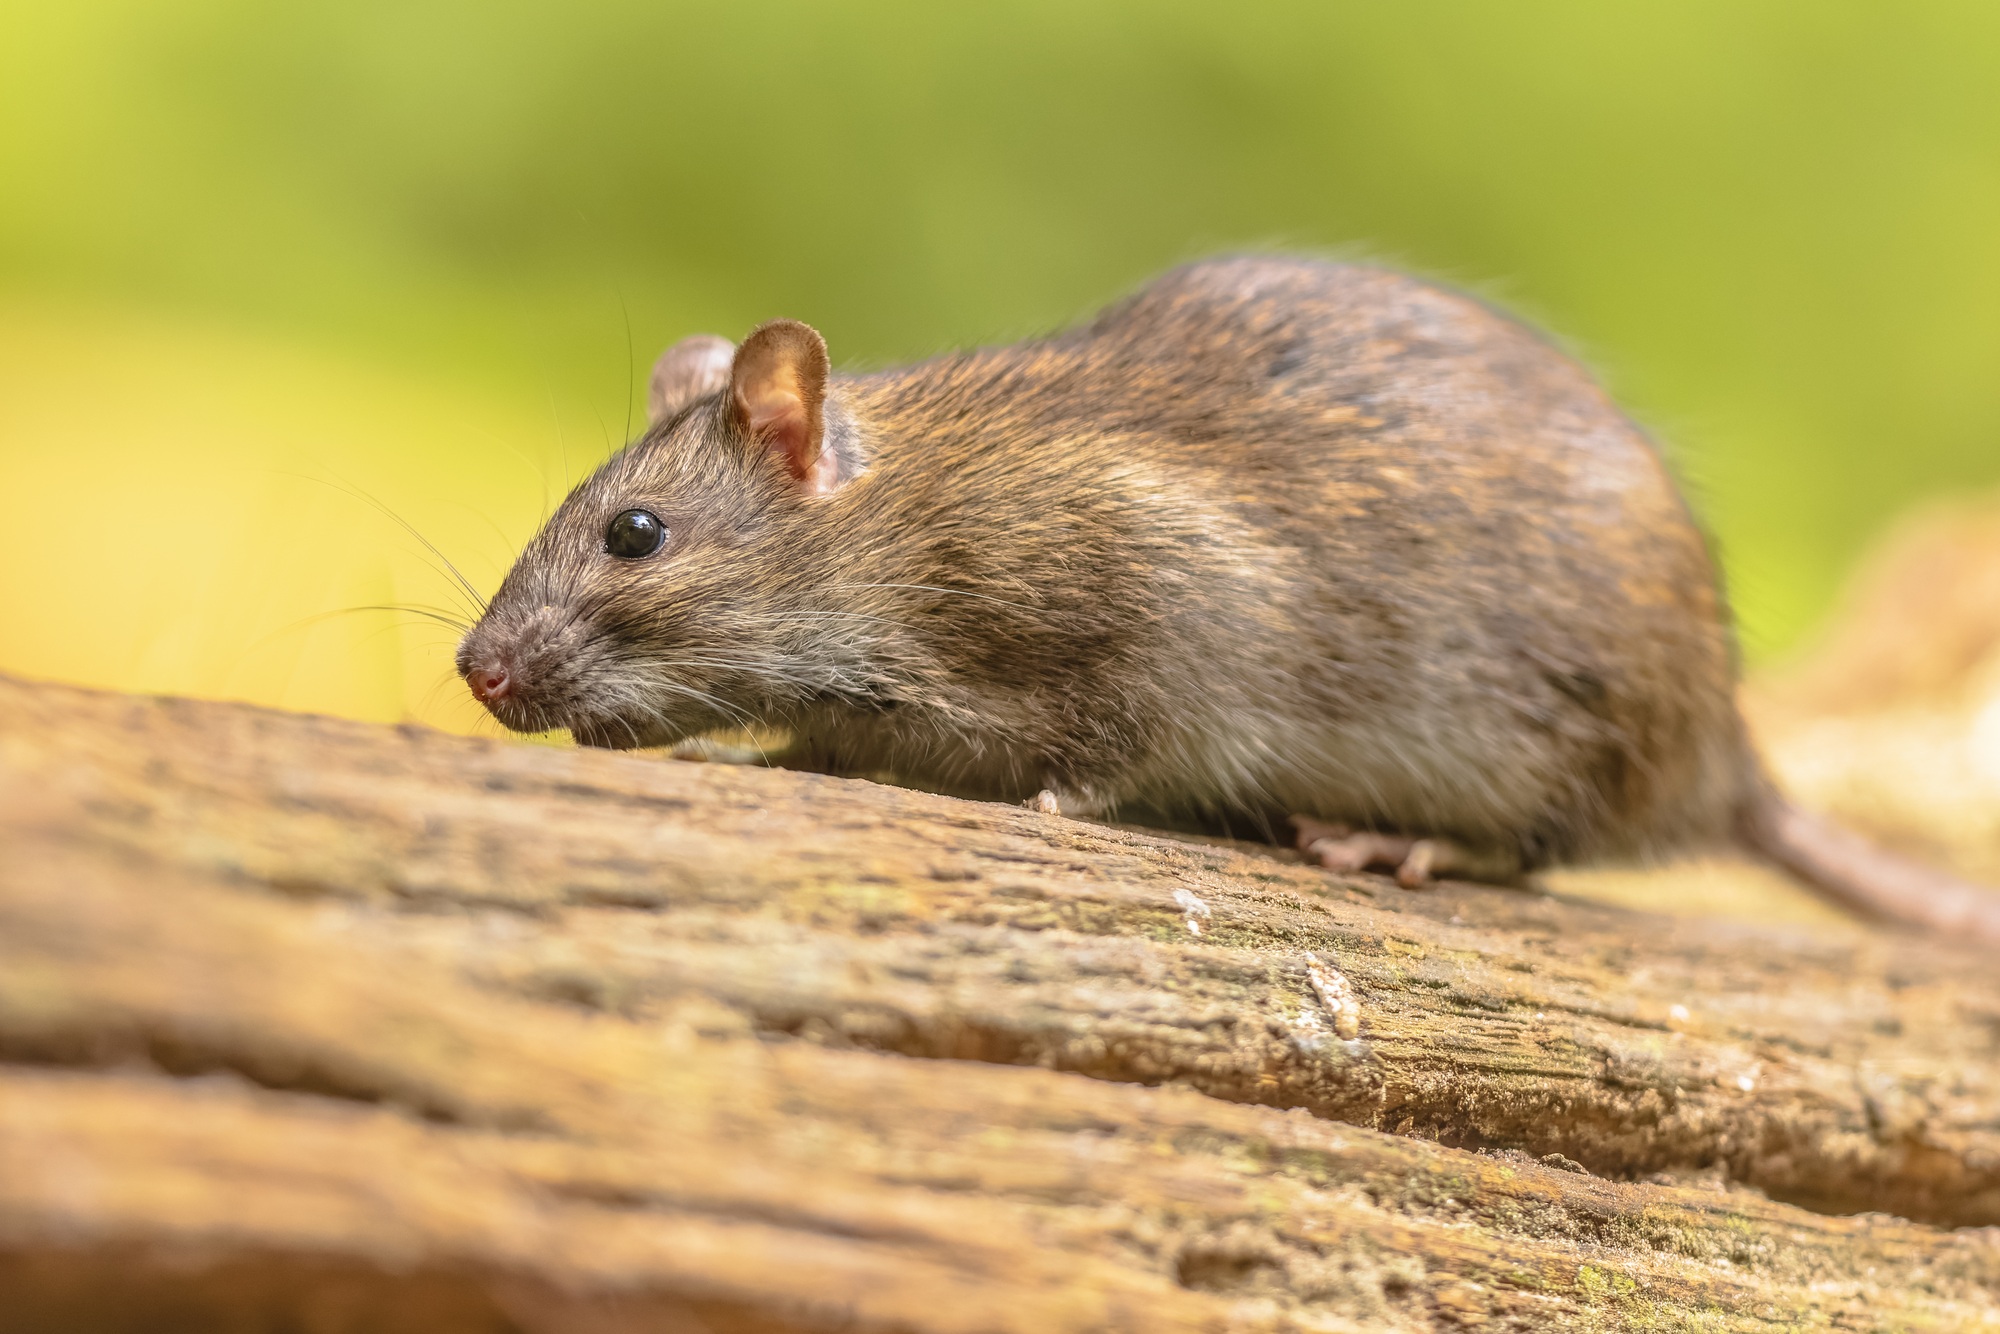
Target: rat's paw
(1338, 849)
(1077, 802)
(1425, 859)
(1415, 862)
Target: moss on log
(311, 1024)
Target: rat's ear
(777, 391)
(695, 367)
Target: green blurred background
(258, 262)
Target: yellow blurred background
(277, 281)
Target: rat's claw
(1423, 858)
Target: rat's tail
(1876, 883)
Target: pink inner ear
(778, 418)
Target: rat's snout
(523, 667)
(489, 680)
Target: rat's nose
(489, 681)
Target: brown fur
(1271, 536)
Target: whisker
(955, 592)
(442, 617)
(630, 698)
(533, 465)
(702, 696)
(306, 622)
(793, 617)
(437, 687)
(760, 668)
(631, 364)
(478, 602)
(813, 680)
(555, 416)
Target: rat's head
(661, 599)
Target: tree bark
(312, 1024)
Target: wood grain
(313, 1024)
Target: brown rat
(1269, 538)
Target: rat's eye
(634, 534)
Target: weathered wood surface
(309, 1024)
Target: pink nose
(489, 681)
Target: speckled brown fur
(1270, 536)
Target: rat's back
(1405, 563)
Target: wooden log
(312, 1024)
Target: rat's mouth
(526, 702)
(513, 704)
(596, 732)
